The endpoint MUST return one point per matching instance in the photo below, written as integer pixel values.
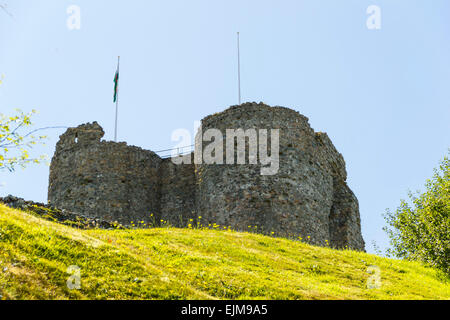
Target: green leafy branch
(15, 144)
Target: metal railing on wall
(180, 151)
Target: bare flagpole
(239, 68)
(117, 99)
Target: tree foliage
(16, 141)
(421, 230)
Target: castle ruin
(308, 197)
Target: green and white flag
(116, 85)
(116, 96)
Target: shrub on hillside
(420, 231)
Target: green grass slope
(169, 263)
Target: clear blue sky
(382, 95)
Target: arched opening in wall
(76, 137)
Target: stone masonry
(308, 197)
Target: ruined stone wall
(345, 222)
(102, 179)
(308, 197)
(178, 189)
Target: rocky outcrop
(76, 220)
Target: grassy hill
(169, 263)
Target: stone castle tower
(308, 196)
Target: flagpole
(239, 68)
(117, 100)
